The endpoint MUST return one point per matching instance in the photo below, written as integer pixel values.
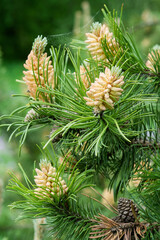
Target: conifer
(103, 115)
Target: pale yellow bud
(39, 68)
(105, 90)
(100, 33)
(154, 59)
(48, 179)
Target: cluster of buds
(48, 181)
(39, 68)
(154, 59)
(31, 115)
(105, 90)
(99, 34)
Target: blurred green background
(60, 21)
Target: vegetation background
(60, 21)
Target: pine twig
(39, 228)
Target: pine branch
(106, 114)
(74, 216)
(147, 193)
(56, 204)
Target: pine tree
(103, 112)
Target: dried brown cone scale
(114, 229)
(108, 229)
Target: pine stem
(39, 228)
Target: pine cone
(98, 34)
(127, 211)
(39, 70)
(105, 90)
(48, 181)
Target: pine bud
(40, 71)
(100, 33)
(31, 115)
(39, 45)
(105, 90)
(154, 59)
(48, 182)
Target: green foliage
(9, 228)
(114, 141)
(65, 211)
(104, 138)
(128, 52)
(148, 192)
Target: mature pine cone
(127, 210)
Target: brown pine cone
(127, 210)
